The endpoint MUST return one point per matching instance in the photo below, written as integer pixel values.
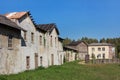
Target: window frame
(103, 49)
(32, 37)
(27, 62)
(41, 40)
(10, 41)
(25, 35)
(51, 44)
(99, 49)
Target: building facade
(10, 42)
(81, 47)
(28, 40)
(52, 43)
(101, 51)
(71, 54)
(40, 45)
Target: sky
(74, 18)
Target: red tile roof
(15, 15)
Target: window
(40, 40)
(10, 41)
(93, 56)
(99, 49)
(93, 49)
(103, 55)
(55, 41)
(51, 41)
(28, 62)
(99, 56)
(25, 35)
(44, 42)
(103, 49)
(41, 59)
(32, 37)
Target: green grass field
(70, 71)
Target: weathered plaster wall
(10, 59)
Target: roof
(70, 48)
(75, 43)
(18, 15)
(48, 27)
(60, 39)
(100, 44)
(15, 15)
(5, 21)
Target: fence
(99, 61)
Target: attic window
(40, 40)
(32, 37)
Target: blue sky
(74, 18)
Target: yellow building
(101, 50)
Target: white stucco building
(101, 50)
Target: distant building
(71, 54)
(101, 50)
(81, 47)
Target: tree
(103, 40)
(66, 41)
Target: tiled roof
(100, 44)
(5, 21)
(75, 43)
(48, 27)
(60, 39)
(18, 15)
(70, 48)
(15, 15)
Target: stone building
(101, 50)
(40, 44)
(10, 42)
(81, 47)
(28, 41)
(52, 44)
(71, 54)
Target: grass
(70, 71)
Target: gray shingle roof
(5, 21)
(70, 48)
(75, 43)
(100, 44)
(48, 27)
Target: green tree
(66, 41)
